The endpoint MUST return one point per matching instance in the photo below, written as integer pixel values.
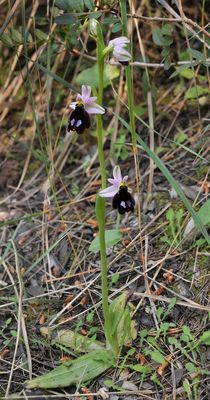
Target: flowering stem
(100, 202)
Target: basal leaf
(71, 339)
(112, 237)
(70, 373)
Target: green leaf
(63, 4)
(187, 73)
(40, 34)
(111, 385)
(117, 310)
(117, 27)
(16, 35)
(143, 369)
(70, 5)
(170, 307)
(157, 357)
(71, 339)
(167, 29)
(205, 338)
(95, 15)
(196, 91)
(6, 39)
(170, 215)
(197, 55)
(167, 62)
(82, 369)
(190, 367)
(122, 326)
(115, 278)
(184, 70)
(89, 4)
(89, 76)
(204, 212)
(66, 19)
(181, 137)
(160, 39)
(112, 237)
(154, 378)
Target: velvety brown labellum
(79, 119)
(123, 201)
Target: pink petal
(88, 91)
(113, 182)
(94, 109)
(125, 178)
(108, 192)
(122, 40)
(122, 55)
(83, 92)
(117, 174)
(79, 97)
(91, 100)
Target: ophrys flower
(123, 201)
(119, 50)
(79, 118)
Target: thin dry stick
(141, 64)
(23, 325)
(194, 268)
(19, 299)
(9, 16)
(152, 304)
(175, 20)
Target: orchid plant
(117, 319)
(122, 199)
